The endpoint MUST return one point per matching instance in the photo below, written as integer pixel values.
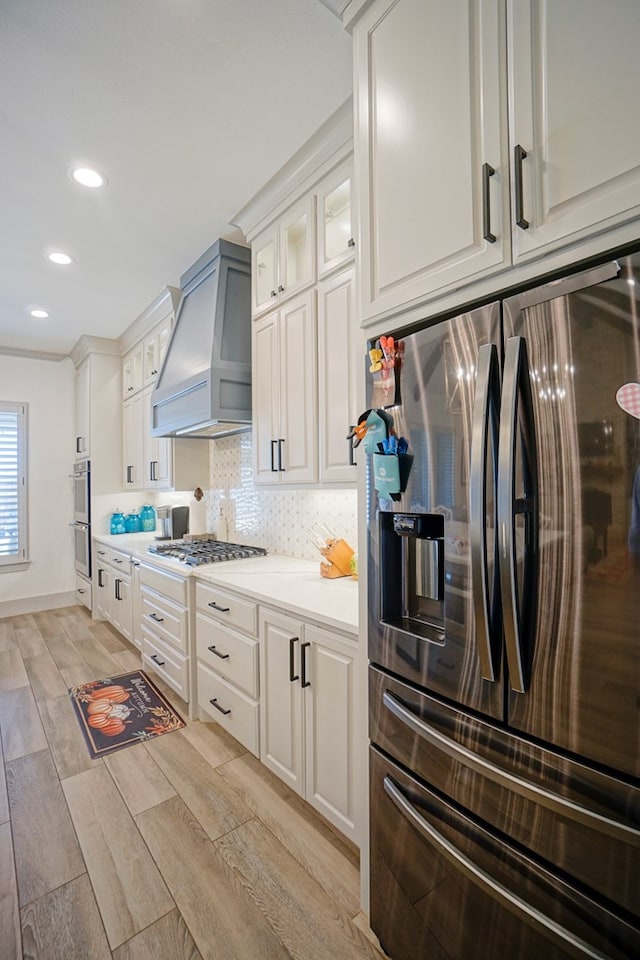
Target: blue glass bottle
(132, 523)
(148, 518)
(117, 522)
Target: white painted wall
(48, 388)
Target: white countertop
(295, 585)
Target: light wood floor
(185, 847)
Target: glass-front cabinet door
(297, 248)
(335, 235)
(265, 271)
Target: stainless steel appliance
(173, 522)
(82, 491)
(504, 634)
(197, 552)
(82, 517)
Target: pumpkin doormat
(119, 711)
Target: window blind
(13, 547)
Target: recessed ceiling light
(87, 177)
(39, 314)
(62, 259)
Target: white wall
(48, 388)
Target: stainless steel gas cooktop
(196, 552)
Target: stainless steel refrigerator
(504, 632)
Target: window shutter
(12, 483)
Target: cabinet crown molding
(164, 305)
(87, 345)
(328, 146)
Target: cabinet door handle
(351, 242)
(154, 616)
(304, 682)
(274, 293)
(101, 553)
(153, 373)
(115, 560)
(129, 474)
(273, 464)
(214, 703)
(487, 173)
(280, 467)
(129, 389)
(152, 469)
(154, 657)
(117, 589)
(217, 606)
(223, 656)
(293, 676)
(280, 288)
(519, 154)
(78, 447)
(100, 580)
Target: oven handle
(567, 941)
(486, 409)
(530, 791)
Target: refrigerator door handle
(519, 611)
(622, 832)
(486, 412)
(554, 932)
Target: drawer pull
(154, 657)
(154, 616)
(115, 560)
(214, 703)
(223, 656)
(217, 607)
(101, 553)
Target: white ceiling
(188, 107)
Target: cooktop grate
(196, 552)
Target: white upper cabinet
(489, 133)
(154, 349)
(575, 77)
(132, 372)
(83, 409)
(430, 148)
(283, 257)
(338, 359)
(285, 406)
(335, 232)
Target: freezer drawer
(584, 822)
(444, 887)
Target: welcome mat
(119, 711)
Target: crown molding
(329, 145)
(32, 354)
(164, 305)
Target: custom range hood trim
(204, 385)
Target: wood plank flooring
(183, 848)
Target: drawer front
(227, 608)
(83, 591)
(231, 655)
(232, 709)
(166, 662)
(165, 583)
(164, 619)
(119, 561)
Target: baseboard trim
(51, 601)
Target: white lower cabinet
(113, 597)
(307, 714)
(165, 627)
(227, 662)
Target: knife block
(337, 554)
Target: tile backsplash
(277, 518)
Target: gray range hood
(204, 386)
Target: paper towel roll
(197, 517)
